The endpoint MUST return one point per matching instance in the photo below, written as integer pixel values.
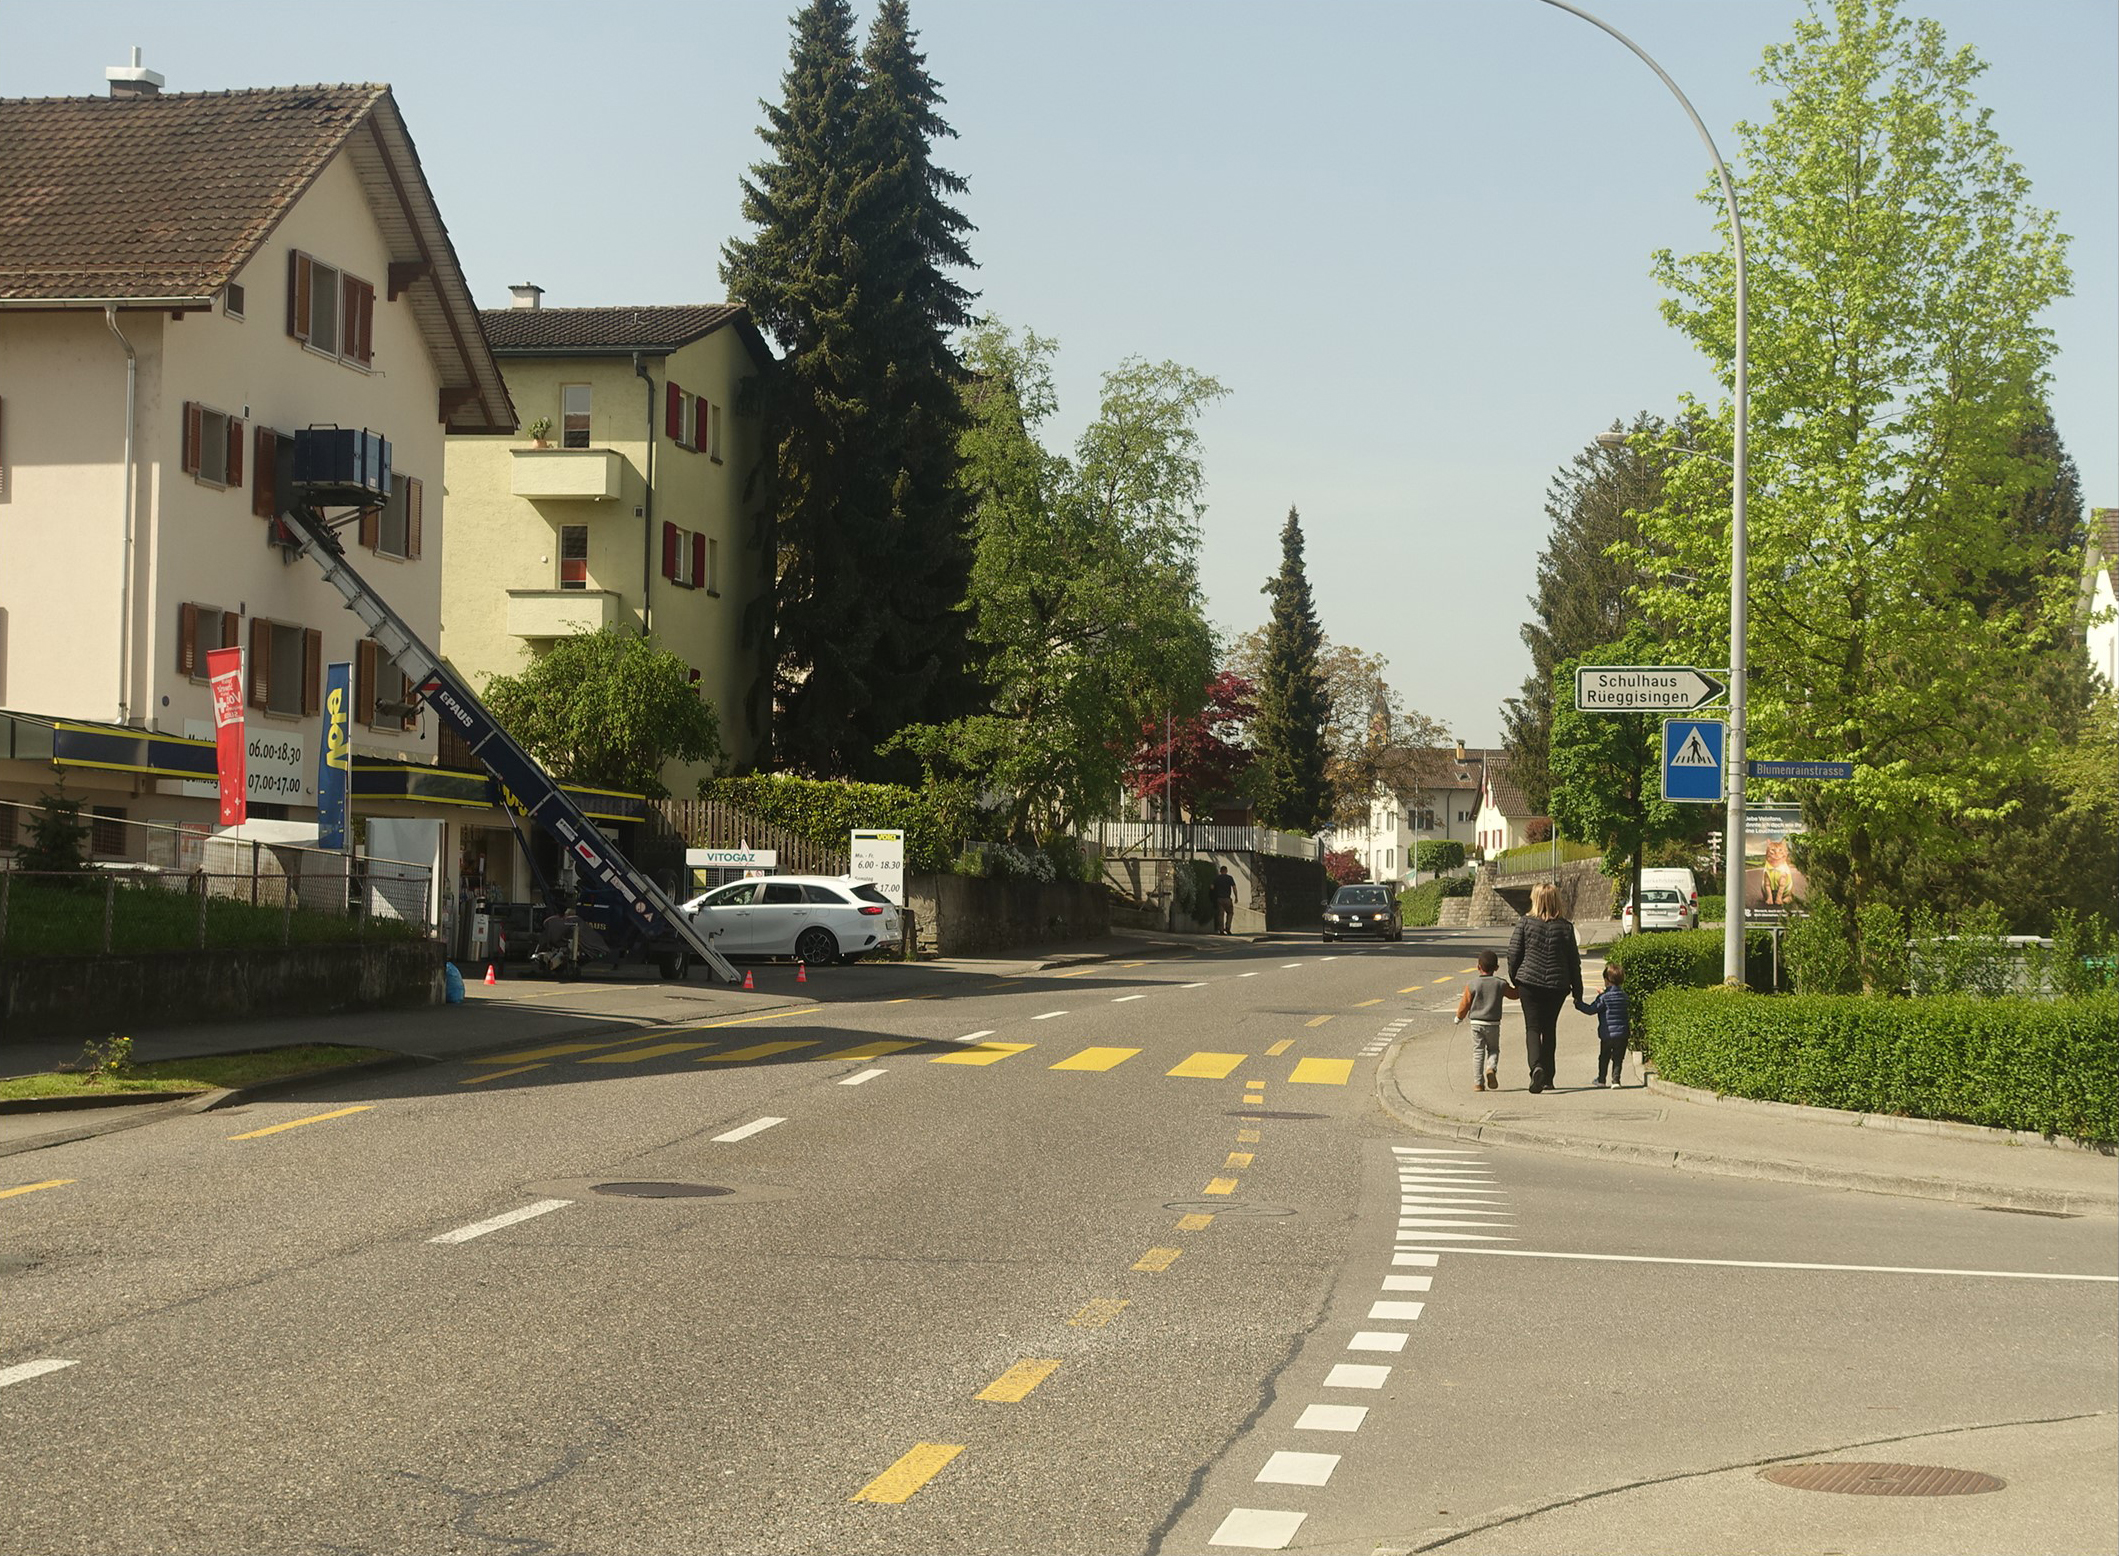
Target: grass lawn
(190, 1074)
(48, 919)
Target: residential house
(190, 277)
(1439, 802)
(629, 512)
(2100, 588)
(1503, 816)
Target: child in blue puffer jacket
(1614, 1025)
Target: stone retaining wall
(961, 915)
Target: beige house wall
(503, 547)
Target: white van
(1670, 899)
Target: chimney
(133, 80)
(526, 296)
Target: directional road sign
(1692, 760)
(1645, 689)
(1799, 769)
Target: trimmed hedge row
(2047, 1066)
(936, 819)
(1421, 907)
(1686, 959)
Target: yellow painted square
(1322, 1072)
(1095, 1059)
(1194, 1223)
(1205, 1066)
(1220, 1186)
(757, 1051)
(635, 1055)
(876, 1049)
(982, 1053)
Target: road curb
(1948, 1129)
(1909, 1185)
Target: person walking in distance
(1614, 1024)
(1545, 965)
(1480, 1003)
(1224, 900)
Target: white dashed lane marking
(863, 1078)
(1332, 1418)
(745, 1131)
(1286, 1468)
(464, 1234)
(22, 1372)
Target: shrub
(1714, 908)
(937, 819)
(1344, 866)
(1422, 906)
(1193, 882)
(1686, 959)
(1821, 953)
(1456, 886)
(1441, 854)
(2048, 1066)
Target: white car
(813, 918)
(1663, 907)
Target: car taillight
(870, 909)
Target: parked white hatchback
(814, 918)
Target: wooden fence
(718, 824)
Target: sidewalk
(1426, 1083)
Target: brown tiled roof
(604, 329)
(1507, 798)
(157, 197)
(2104, 535)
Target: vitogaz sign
(1644, 689)
(880, 857)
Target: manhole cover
(661, 1190)
(1261, 1113)
(1227, 1207)
(1883, 1480)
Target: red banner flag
(224, 669)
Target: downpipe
(132, 388)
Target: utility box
(334, 465)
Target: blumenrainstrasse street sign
(1645, 689)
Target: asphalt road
(1120, 1258)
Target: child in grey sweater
(1480, 1003)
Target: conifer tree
(1292, 705)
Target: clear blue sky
(1412, 238)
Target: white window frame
(234, 299)
(396, 510)
(213, 447)
(682, 575)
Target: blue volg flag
(334, 772)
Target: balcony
(558, 613)
(576, 474)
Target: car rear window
(868, 893)
(823, 894)
(1663, 899)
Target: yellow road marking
(1247, 1136)
(553, 1051)
(875, 1049)
(739, 1021)
(1158, 1259)
(1239, 1159)
(757, 1051)
(1322, 1072)
(1452, 978)
(904, 1000)
(495, 1075)
(1412, 988)
(1316, 1021)
(1208, 1066)
(1219, 1186)
(1002, 983)
(635, 1055)
(1095, 1059)
(982, 1053)
(296, 1123)
(1098, 1312)
(920, 1464)
(1467, 969)
(1194, 1223)
(1364, 1005)
(1280, 1048)
(31, 1188)
(1132, 964)
(1074, 973)
(1017, 1381)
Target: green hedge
(1683, 959)
(1539, 856)
(1422, 906)
(2048, 1066)
(936, 820)
(1714, 908)
(1438, 854)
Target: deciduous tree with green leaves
(1899, 278)
(607, 708)
(1292, 789)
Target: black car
(1363, 910)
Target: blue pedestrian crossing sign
(1693, 766)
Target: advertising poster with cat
(1772, 883)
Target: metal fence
(1154, 838)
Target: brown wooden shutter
(669, 550)
(260, 661)
(698, 561)
(415, 505)
(231, 629)
(192, 423)
(187, 640)
(264, 474)
(312, 672)
(298, 294)
(364, 318)
(235, 453)
(364, 657)
(371, 527)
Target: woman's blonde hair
(1545, 900)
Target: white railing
(1176, 837)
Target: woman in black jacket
(1545, 965)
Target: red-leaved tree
(1206, 755)
(1344, 866)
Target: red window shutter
(698, 561)
(669, 550)
(673, 400)
(415, 504)
(192, 422)
(260, 661)
(364, 681)
(312, 672)
(371, 527)
(235, 453)
(265, 486)
(298, 294)
(187, 640)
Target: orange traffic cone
(746, 978)
(801, 972)
(489, 974)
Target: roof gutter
(132, 400)
(106, 304)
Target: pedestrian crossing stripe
(1208, 1066)
(1205, 1064)
(1095, 1059)
(982, 1053)
(758, 1051)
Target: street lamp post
(1739, 555)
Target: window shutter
(264, 475)
(415, 501)
(371, 527)
(231, 629)
(364, 681)
(312, 672)
(187, 640)
(260, 662)
(192, 423)
(360, 302)
(673, 399)
(298, 294)
(235, 453)
(669, 550)
(698, 561)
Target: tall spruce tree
(861, 414)
(1292, 704)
